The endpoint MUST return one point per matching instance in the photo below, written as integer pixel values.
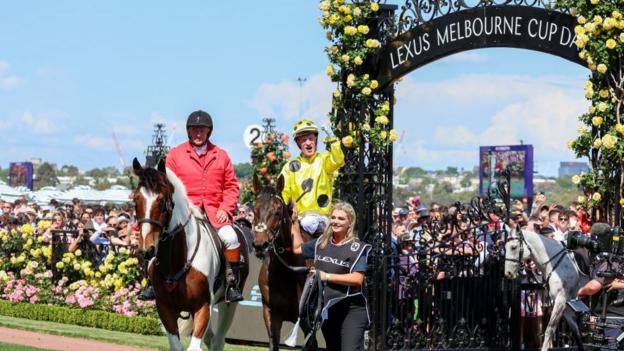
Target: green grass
(11, 347)
(153, 342)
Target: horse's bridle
(560, 255)
(276, 232)
(167, 210)
(277, 249)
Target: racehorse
(187, 272)
(561, 275)
(282, 275)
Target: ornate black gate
(444, 289)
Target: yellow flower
(357, 11)
(609, 141)
(393, 135)
(345, 58)
(619, 128)
(622, 37)
(602, 107)
(333, 50)
(597, 120)
(366, 91)
(98, 274)
(350, 30)
(610, 43)
(596, 197)
(350, 80)
(616, 14)
(78, 253)
(363, 29)
(324, 5)
(581, 20)
(597, 144)
(597, 19)
(622, 201)
(366, 127)
(589, 93)
(345, 9)
(374, 84)
(383, 134)
(386, 106)
(602, 68)
(143, 282)
(383, 120)
(583, 54)
(592, 109)
(330, 70)
(358, 60)
(337, 94)
(60, 265)
(604, 93)
(372, 43)
(348, 18)
(579, 30)
(347, 141)
(77, 267)
(581, 199)
(570, 144)
(375, 7)
(576, 179)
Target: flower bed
(26, 276)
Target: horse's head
(270, 214)
(153, 202)
(516, 253)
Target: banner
(21, 174)
(493, 160)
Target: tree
(69, 170)
(452, 171)
(243, 170)
(45, 175)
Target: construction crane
(118, 148)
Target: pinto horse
(188, 271)
(282, 275)
(562, 275)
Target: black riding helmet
(199, 118)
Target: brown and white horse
(282, 275)
(187, 272)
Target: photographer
(606, 285)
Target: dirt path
(61, 343)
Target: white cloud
(8, 81)
(103, 143)
(467, 57)
(282, 100)
(45, 123)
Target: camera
(577, 239)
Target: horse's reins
(172, 280)
(278, 250)
(560, 255)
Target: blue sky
(71, 72)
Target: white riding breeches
(313, 222)
(228, 237)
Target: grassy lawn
(11, 347)
(154, 342)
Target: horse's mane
(182, 203)
(152, 181)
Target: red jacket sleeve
(230, 187)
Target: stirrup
(233, 294)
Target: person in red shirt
(208, 174)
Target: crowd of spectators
(73, 225)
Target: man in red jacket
(211, 184)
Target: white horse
(561, 275)
(182, 282)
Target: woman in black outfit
(340, 260)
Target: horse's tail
(185, 325)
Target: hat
(395, 212)
(123, 218)
(30, 210)
(547, 229)
(89, 226)
(304, 126)
(422, 212)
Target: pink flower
(71, 299)
(34, 299)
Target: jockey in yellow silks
(309, 178)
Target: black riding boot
(147, 293)
(232, 277)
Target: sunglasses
(563, 218)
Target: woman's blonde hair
(351, 233)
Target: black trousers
(344, 328)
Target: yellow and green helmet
(304, 126)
